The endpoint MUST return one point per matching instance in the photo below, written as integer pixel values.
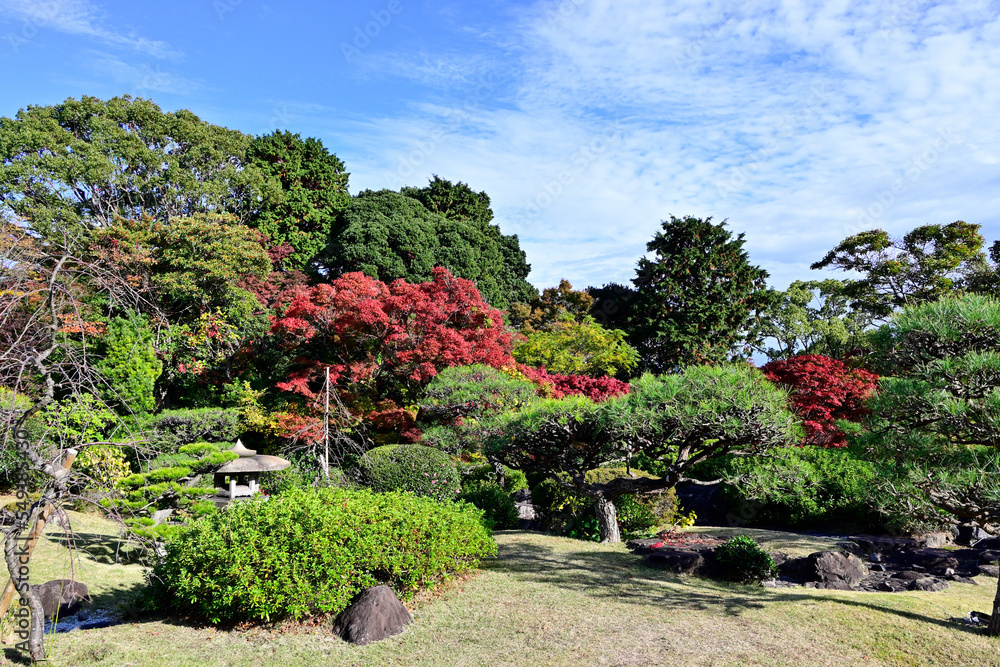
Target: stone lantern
(239, 478)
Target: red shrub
(558, 386)
(822, 391)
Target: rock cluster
(863, 563)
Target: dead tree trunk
(607, 519)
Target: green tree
(924, 265)
(456, 201)
(389, 236)
(699, 299)
(460, 202)
(577, 348)
(936, 421)
(814, 317)
(305, 190)
(679, 420)
(129, 367)
(556, 304)
(87, 162)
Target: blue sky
(587, 121)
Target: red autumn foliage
(388, 337)
(557, 386)
(823, 390)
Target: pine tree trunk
(607, 519)
(994, 630)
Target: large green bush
(799, 487)
(423, 471)
(311, 551)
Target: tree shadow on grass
(622, 577)
(98, 547)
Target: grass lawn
(553, 601)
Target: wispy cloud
(791, 119)
(80, 17)
(139, 80)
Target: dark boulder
(374, 615)
(990, 570)
(969, 535)
(989, 557)
(62, 596)
(933, 559)
(989, 543)
(680, 561)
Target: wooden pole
(36, 532)
(326, 428)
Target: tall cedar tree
(305, 190)
(823, 390)
(924, 265)
(699, 299)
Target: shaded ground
(555, 601)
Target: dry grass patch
(554, 601)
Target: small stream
(86, 619)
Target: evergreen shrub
(499, 510)
(742, 560)
(423, 471)
(312, 551)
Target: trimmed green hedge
(311, 551)
(172, 428)
(423, 471)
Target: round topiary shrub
(423, 471)
(741, 559)
(310, 551)
(499, 510)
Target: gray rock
(928, 584)
(990, 570)
(833, 566)
(989, 557)
(935, 539)
(374, 615)
(61, 595)
(829, 585)
(909, 575)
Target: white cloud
(79, 17)
(800, 122)
(139, 80)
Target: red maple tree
(385, 340)
(823, 390)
